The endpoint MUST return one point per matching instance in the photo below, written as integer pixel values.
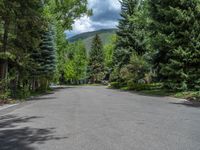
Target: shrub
(22, 93)
(115, 85)
(138, 70)
(5, 95)
(138, 86)
(114, 75)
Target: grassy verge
(157, 90)
(95, 84)
(189, 95)
(6, 99)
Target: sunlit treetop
(65, 12)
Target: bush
(190, 95)
(115, 85)
(114, 75)
(118, 85)
(5, 95)
(22, 93)
(137, 71)
(139, 86)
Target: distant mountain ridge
(86, 35)
(86, 38)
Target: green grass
(6, 99)
(158, 92)
(95, 84)
(156, 89)
(190, 95)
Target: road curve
(97, 118)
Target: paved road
(96, 118)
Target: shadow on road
(14, 137)
(188, 104)
(44, 97)
(11, 121)
(48, 95)
(58, 88)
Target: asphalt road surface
(97, 118)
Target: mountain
(105, 35)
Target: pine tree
(96, 61)
(21, 21)
(176, 38)
(45, 59)
(48, 53)
(21, 24)
(127, 40)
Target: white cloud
(107, 24)
(105, 14)
(83, 24)
(115, 4)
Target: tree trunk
(4, 63)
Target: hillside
(87, 37)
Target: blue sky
(105, 15)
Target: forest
(156, 48)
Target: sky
(105, 15)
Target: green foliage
(76, 62)
(136, 71)
(147, 88)
(65, 12)
(22, 92)
(7, 56)
(130, 34)
(108, 52)
(96, 61)
(28, 45)
(115, 76)
(5, 92)
(158, 41)
(4, 96)
(132, 44)
(115, 85)
(61, 50)
(190, 95)
(47, 46)
(176, 27)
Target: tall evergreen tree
(21, 24)
(44, 61)
(48, 53)
(96, 61)
(21, 37)
(48, 63)
(127, 41)
(176, 26)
